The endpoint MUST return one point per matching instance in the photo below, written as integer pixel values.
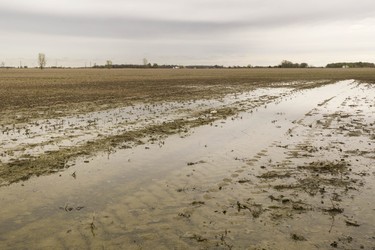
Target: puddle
(289, 174)
(22, 141)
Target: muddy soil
(278, 168)
(46, 146)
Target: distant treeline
(164, 66)
(351, 65)
(289, 64)
(283, 64)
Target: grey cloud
(126, 27)
(152, 28)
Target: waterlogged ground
(273, 168)
(20, 141)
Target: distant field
(30, 88)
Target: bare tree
(108, 64)
(42, 60)
(145, 61)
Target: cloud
(115, 27)
(224, 18)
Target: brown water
(264, 179)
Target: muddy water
(22, 141)
(295, 173)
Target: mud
(294, 171)
(45, 146)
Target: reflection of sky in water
(52, 134)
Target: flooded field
(281, 164)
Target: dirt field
(187, 159)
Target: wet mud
(46, 146)
(292, 170)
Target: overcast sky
(224, 32)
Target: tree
(108, 64)
(42, 60)
(286, 64)
(289, 64)
(145, 61)
(303, 65)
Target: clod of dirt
(244, 181)
(198, 203)
(297, 237)
(193, 236)
(334, 210)
(334, 244)
(194, 163)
